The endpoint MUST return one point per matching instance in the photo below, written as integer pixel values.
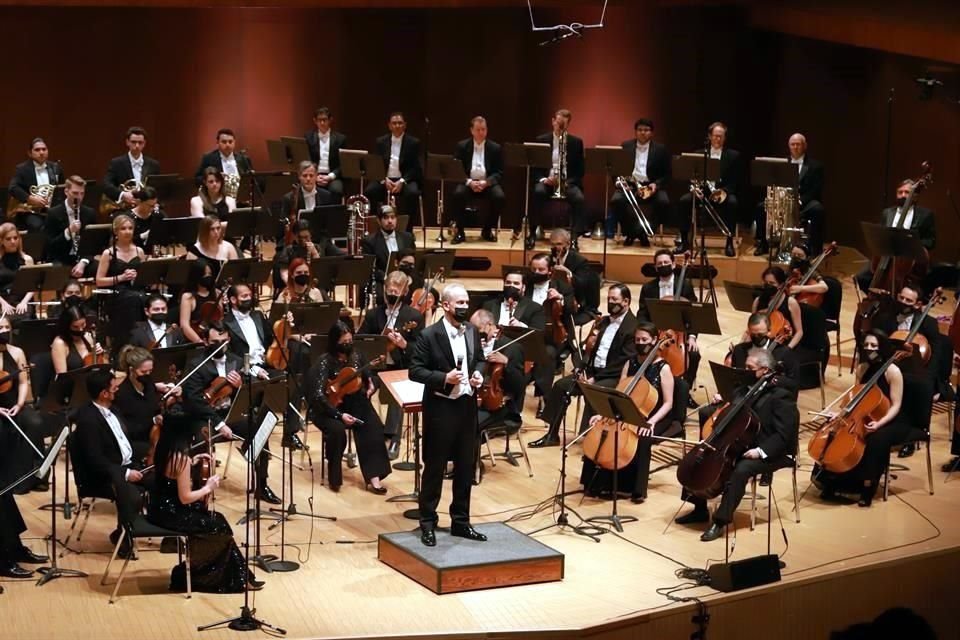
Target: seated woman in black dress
(12, 258)
(73, 343)
(118, 270)
(211, 245)
(354, 412)
(14, 407)
(201, 288)
(216, 563)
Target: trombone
(624, 185)
(560, 193)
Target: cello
(674, 351)
(727, 434)
(918, 342)
(798, 280)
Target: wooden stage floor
(610, 588)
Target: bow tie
(41, 167)
(137, 163)
(392, 234)
(457, 333)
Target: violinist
(12, 550)
(211, 245)
(665, 286)
(136, 402)
(298, 289)
(306, 247)
(758, 329)
(201, 289)
(800, 262)
(774, 447)
(571, 267)
(64, 225)
(407, 264)
(226, 366)
(156, 332)
(117, 269)
(513, 381)
(773, 279)
(71, 295)
(881, 434)
(660, 422)
(355, 411)
(12, 258)
(73, 344)
(402, 325)
(511, 308)
(14, 390)
(216, 563)
(613, 347)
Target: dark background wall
(80, 76)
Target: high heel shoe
(253, 584)
(381, 490)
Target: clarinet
(76, 236)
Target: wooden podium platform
(508, 558)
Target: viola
(278, 353)
(554, 311)
(674, 350)
(219, 392)
(419, 298)
(780, 328)
(812, 299)
(348, 380)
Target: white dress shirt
(904, 323)
(896, 218)
(666, 287)
(323, 147)
(505, 315)
(391, 240)
(393, 169)
(43, 174)
(603, 347)
(478, 167)
(309, 199)
(126, 451)
(640, 162)
(540, 291)
(458, 344)
(716, 153)
(137, 165)
(249, 328)
(221, 363)
(229, 165)
(159, 333)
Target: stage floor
(342, 590)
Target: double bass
(675, 352)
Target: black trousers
(544, 372)
(553, 409)
(11, 526)
(811, 215)
(408, 200)
(727, 212)
(574, 196)
(242, 429)
(450, 436)
(30, 222)
(330, 194)
(464, 196)
(693, 365)
(371, 450)
(736, 486)
(656, 209)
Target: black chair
(87, 496)
(832, 303)
(506, 428)
(142, 528)
(916, 437)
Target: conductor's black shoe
(952, 465)
(29, 557)
(545, 441)
(13, 570)
(460, 237)
(468, 532)
(728, 248)
(428, 537)
(266, 494)
(907, 450)
(294, 442)
(761, 248)
(530, 242)
(695, 516)
(487, 234)
(711, 534)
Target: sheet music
(263, 434)
(52, 454)
(410, 392)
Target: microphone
(459, 362)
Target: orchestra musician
(64, 224)
(800, 261)
(303, 248)
(570, 168)
(810, 196)
(211, 246)
(156, 331)
(117, 269)
(407, 264)
(385, 241)
(12, 550)
(513, 382)
(144, 213)
(73, 343)
(651, 174)
(773, 448)
(228, 365)
(773, 279)
(224, 159)
(758, 329)
(483, 163)
(12, 258)
(571, 266)
(324, 145)
(35, 172)
(402, 162)
(297, 290)
(201, 288)
(134, 165)
(919, 220)
(393, 317)
(612, 349)
(355, 411)
(211, 199)
(137, 401)
(725, 188)
(309, 196)
(445, 360)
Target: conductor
(445, 361)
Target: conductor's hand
(234, 379)
(454, 376)
(717, 398)
(476, 379)
(348, 419)
(497, 358)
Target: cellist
(774, 447)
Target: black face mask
(643, 348)
(144, 380)
(76, 333)
(72, 301)
(511, 293)
(4, 337)
(901, 202)
(301, 279)
(869, 356)
(906, 309)
(758, 341)
(484, 336)
(391, 298)
(346, 348)
(244, 306)
(213, 346)
(158, 318)
(614, 309)
(539, 278)
(207, 282)
(406, 268)
(664, 270)
(769, 287)
(800, 264)
(461, 314)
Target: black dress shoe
(907, 450)
(644, 241)
(728, 248)
(637, 498)
(266, 494)
(254, 584)
(540, 410)
(487, 234)
(293, 442)
(13, 570)
(428, 537)
(711, 534)
(457, 239)
(468, 532)
(952, 465)
(381, 490)
(530, 242)
(545, 441)
(628, 241)
(762, 248)
(766, 479)
(41, 486)
(694, 517)
(680, 248)
(29, 557)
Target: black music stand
(330, 220)
(358, 164)
(729, 379)
(313, 317)
(39, 278)
(348, 271)
(167, 359)
(777, 172)
(443, 168)
(94, 239)
(690, 317)
(698, 168)
(35, 336)
(527, 155)
(167, 232)
(893, 242)
(250, 221)
(611, 162)
(428, 261)
(248, 270)
(166, 184)
(534, 348)
(151, 272)
(615, 405)
(741, 295)
(287, 152)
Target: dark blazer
(142, 336)
(923, 224)
(811, 180)
(375, 244)
(621, 349)
(779, 419)
(375, 321)
(212, 159)
(25, 176)
(492, 158)
(410, 168)
(729, 170)
(586, 281)
(433, 358)
(658, 161)
(238, 343)
(651, 291)
(195, 385)
(58, 246)
(100, 464)
(337, 141)
(575, 160)
(120, 171)
(564, 289)
(887, 322)
(781, 353)
(528, 312)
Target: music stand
(94, 239)
(359, 164)
(534, 348)
(617, 406)
(741, 296)
(167, 359)
(39, 278)
(443, 168)
(527, 155)
(697, 168)
(151, 272)
(250, 221)
(167, 232)
(893, 242)
(288, 151)
(247, 270)
(729, 379)
(35, 336)
(356, 270)
(777, 172)
(690, 317)
(611, 162)
(330, 220)
(409, 397)
(165, 183)
(428, 261)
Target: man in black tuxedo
(405, 324)
(919, 220)
(134, 165)
(386, 241)
(309, 196)
(157, 326)
(445, 360)
(603, 366)
(36, 171)
(512, 309)
(545, 182)
(224, 159)
(324, 144)
(726, 186)
(758, 328)
(483, 163)
(811, 194)
(402, 163)
(570, 265)
(64, 225)
(106, 461)
(651, 170)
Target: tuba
(231, 185)
(560, 193)
(44, 191)
(783, 230)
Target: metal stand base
(244, 622)
(52, 573)
(616, 520)
(404, 466)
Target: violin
(727, 434)
(348, 380)
(92, 356)
(598, 444)
(590, 344)
(674, 350)
(419, 298)
(210, 311)
(278, 353)
(156, 342)
(918, 343)
(407, 326)
(797, 279)
(491, 396)
(219, 392)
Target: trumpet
(560, 193)
(623, 184)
